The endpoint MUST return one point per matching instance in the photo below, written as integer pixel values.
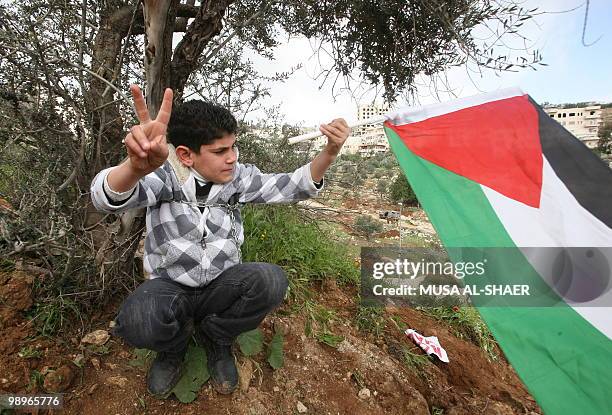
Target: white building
(368, 139)
(582, 122)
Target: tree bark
(159, 18)
(206, 25)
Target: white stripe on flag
(407, 115)
(559, 222)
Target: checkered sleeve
(258, 187)
(154, 187)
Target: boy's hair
(194, 123)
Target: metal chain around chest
(230, 209)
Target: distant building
(368, 139)
(373, 141)
(583, 122)
(606, 114)
(370, 111)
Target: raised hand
(146, 143)
(336, 132)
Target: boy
(194, 232)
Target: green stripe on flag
(564, 361)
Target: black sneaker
(165, 372)
(221, 365)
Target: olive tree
(65, 67)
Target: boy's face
(216, 161)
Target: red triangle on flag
(496, 144)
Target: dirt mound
(15, 297)
(393, 233)
(479, 385)
(362, 375)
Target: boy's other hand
(146, 143)
(336, 132)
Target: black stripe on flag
(586, 176)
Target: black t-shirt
(202, 191)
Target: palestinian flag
(495, 171)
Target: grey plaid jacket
(193, 247)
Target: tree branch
(206, 25)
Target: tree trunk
(159, 17)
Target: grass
(467, 324)
(329, 338)
(49, 317)
(371, 319)
(414, 241)
(415, 361)
(399, 323)
(6, 265)
(277, 235)
(318, 320)
(28, 352)
(36, 380)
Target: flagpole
(315, 134)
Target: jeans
(161, 313)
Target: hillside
(339, 358)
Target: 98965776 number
(50, 401)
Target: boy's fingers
(139, 103)
(133, 147)
(158, 144)
(333, 130)
(343, 122)
(165, 110)
(340, 123)
(140, 136)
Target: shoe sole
(223, 388)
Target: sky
(575, 73)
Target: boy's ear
(184, 155)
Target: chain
(230, 209)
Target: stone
(301, 408)
(59, 380)
(95, 362)
(79, 360)
(117, 381)
(97, 337)
(364, 393)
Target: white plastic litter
(431, 344)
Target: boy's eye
(224, 149)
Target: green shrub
(277, 235)
(367, 225)
(400, 191)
